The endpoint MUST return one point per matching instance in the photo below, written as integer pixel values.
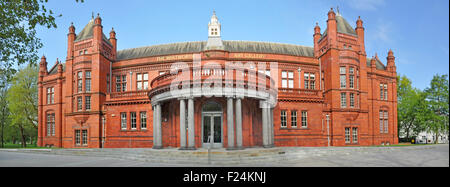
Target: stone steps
(173, 156)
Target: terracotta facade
(101, 99)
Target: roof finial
(337, 9)
(92, 14)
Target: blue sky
(417, 31)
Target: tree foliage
(18, 21)
(22, 102)
(410, 108)
(436, 94)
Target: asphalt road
(408, 156)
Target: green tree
(437, 117)
(4, 112)
(22, 101)
(411, 104)
(18, 41)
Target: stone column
(191, 124)
(182, 124)
(271, 127)
(265, 124)
(154, 125)
(158, 134)
(230, 123)
(239, 123)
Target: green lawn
(19, 146)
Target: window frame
(304, 119)
(143, 119)
(87, 81)
(343, 100)
(283, 118)
(133, 121)
(293, 118)
(123, 121)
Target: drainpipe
(328, 129)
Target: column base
(183, 148)
(268, 146)
(190, 148)
(232, 148)
(157, 147)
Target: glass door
(212, 130)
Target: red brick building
(231, 94)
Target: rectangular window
(145, 77)
(118, 84)
(50, 95)
(343, 100)
(347, 135)
(304, 119)
(85, 139)
(284, 79)
(351, 81)
(51, 124)
(80, 103)
(385, 92)
(306, 80)
(352, 100)
(283, 119)
(142, 81)
(80, 81)
(294, 118)
(123, 120)
(290, 79)
(87, 102)
(124, 83)
(381, 92)
(343, 77)
(381, 121)
(77, 137)
(386, 127)
(87, 81)
(133, 120)
(143, 118)
(343, 81)
(355, 135)
(312, 81)
(384, 124)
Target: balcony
(234, 78)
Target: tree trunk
(22, 134)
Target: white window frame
(355, 135)
(133, 120)
(304, 119)
(294, 118)
(283, 116)
(143, 119)
(347, 134)
(123, 120)
(343, 100)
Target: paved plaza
(390, 156)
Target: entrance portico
(215, 116)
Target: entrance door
(212, 130)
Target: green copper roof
(231, 46)
(88, 32)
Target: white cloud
(365, 4)
(383, 32)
